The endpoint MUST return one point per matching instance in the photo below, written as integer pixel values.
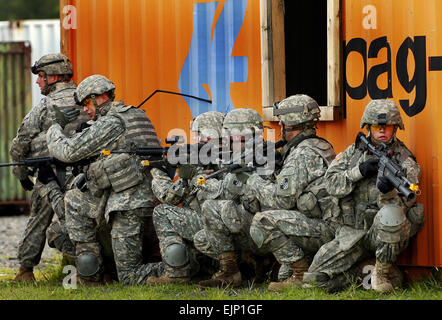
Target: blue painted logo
(210, 61)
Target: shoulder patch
(284, 184)
(339, 156)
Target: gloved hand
(187, 171)
(82, 126)
(80, 182)
(27, 184)
(46, 174)
(243, 173)
(369, 168)
(358, 143)
(384, 185)
(63, 117)
(249, 200)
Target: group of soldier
(317, 215)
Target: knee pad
(176, 255)
(391, 215)
(391, 224)
(88, 265)
(257, 236)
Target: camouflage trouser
(82, 217)
(127, 243)
(84, 220)
(33, 239)
(46, 199)
(342, 255)
(178, 225)
(289, 234)
(57, 233)
(58, 238)
(226, 228)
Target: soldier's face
(41, 81)
(382, 133)
(89, 107)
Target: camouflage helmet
(208, 123)
(93, 86)
(243, 119)
(382, 112)
(297, 109)
(52, 64)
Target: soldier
(310, 216)
(176, 226)
(227, 220)
(383, 221)
(117, 187)
(54, 78)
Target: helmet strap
(99, 107)
(301, 126)
(48, 87)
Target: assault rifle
(389, 169)
(157, 157)
(154, 157)
(60, 166)
(234, 165)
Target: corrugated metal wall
(145, 45)
(15, 102)
(394, 50)
(43, 35)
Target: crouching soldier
(297, 214)
(117, 187)
(176, 225)
(383, 219)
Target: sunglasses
(86, 102)
(377, 127)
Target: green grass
(49, 287)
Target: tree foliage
(29, 9)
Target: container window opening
(305, 25)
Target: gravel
(11, 230)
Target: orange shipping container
(250, 53)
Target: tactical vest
(362, 202)
(319, 146)
(123, 171)
(139, 130)
(315, 201)
(63, 97)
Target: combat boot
(379, 278)
(228, 275)
(25, 275)
(298, 267)
(154, 281)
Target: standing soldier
(174, 225)
(308, 216)
(383, 220)
(118, 188)
(54, 78)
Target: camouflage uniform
(227, 220)
(298, 215)
(176, 226)
(382, 223)
(30, 142)
(118, 189)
